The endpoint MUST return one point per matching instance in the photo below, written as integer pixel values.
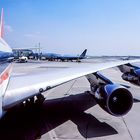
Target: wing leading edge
(23, 87)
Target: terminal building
(24, 52)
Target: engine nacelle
(114, 99)
(132, 77)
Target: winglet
(2, 24)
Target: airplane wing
(22, 87)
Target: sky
(104, 27)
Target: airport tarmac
(69, 111)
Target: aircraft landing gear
(40, 99)
(29, 102)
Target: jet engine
(131, 73)
(113, 98)
(133, 76)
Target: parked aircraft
(115, 99)
(125, 58)
(54, 56)
(71, 58)
(50, 56)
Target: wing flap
(23, 87)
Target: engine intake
(114, 99)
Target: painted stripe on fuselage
(5, 74)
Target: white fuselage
(5, 70)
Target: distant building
(23, 52)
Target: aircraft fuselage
(5, 69)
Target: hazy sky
(104, 27)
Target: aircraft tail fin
(83, 53)
(2, 24)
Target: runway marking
(127, 128)
(15, 74)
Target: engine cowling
(114, 99)
(132, 77)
